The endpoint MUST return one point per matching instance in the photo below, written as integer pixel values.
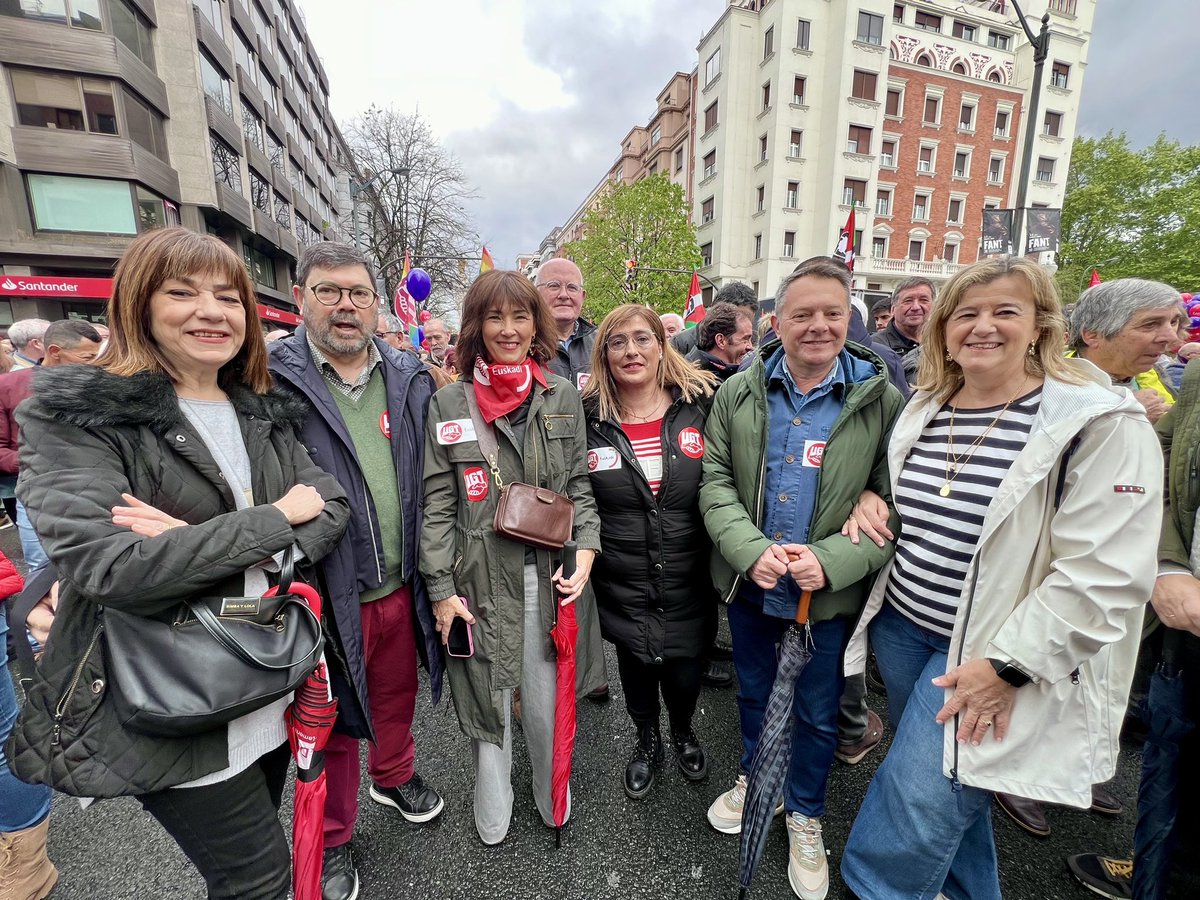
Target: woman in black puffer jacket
(646, 407)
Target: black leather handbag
(213, 660)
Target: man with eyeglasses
(560, 283)
(366, 420)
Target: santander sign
(54, 286)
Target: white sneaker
(725, 814)
(808, 867)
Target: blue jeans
(818, 691)
(21, 805)
(916, 836)
(31, 547)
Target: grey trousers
(493, 765)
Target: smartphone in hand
(460, 643)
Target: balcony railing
(883, 266)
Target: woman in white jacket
(1007, 624)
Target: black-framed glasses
(384, 334)
(330, 294)
(643, 340)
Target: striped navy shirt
(940, 533)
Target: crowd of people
(968, 495)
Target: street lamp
(1041, 49)
(357, 189)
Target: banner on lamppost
(997, 232)
(1041, 230)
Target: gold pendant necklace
(955, 462)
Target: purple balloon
(419, 284)
(420, 335)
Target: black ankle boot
(647, 756)
(689, 754)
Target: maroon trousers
(390, 656)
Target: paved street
(661, 847)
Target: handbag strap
(212, 624)
(485, 434)
(19, 607)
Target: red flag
(693, 313)
(1095, 279)
(406, 309)
(845, 245)
(485, 261)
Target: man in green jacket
(792, 441)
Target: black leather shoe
(1029, 814)
(689, 755)
(647, 756)
(719, 652)
(716, 675)
(600, 694)
(1105, 801)
(339, 878)
(415, 800)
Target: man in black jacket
(911, 304)
(365, 426)
(736, 292)
(725, 337)
(560, 283)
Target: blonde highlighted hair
(942, 377)
(674, 371)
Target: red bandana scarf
(502, 387)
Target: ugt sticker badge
(476, 483)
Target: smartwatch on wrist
(1010, 673)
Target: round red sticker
(476, 483)
(450, 432)
(385, 425)
(593, 460)
(691, 442)
(814, 453)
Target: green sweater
(364, 419)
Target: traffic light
(630, 274)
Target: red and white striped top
(646, 438)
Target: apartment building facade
(912, 114)
(119, 116)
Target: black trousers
(677, 679)
(231, 831)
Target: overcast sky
(534, 96)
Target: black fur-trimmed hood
(89, 397)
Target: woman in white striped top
(1006, 626)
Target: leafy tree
(1130, 213)
(646, 221)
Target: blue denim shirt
(799, 425)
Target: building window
(925, 159)
(76, 13)
(216, 85)
(706, 254)
(858, 140)
(283, 212)
(769, 42)
(793, 195)
(710, 117)
(260, 193)
(966, 117)
(962, 164)
(60, 101)
(893, 105)
(706, 211)
(92, 205)
(798, 86)
(879, 247)
(950, 253)
(920, 208)
(887, 154)
(710, 164)
(766, 96)
(760, 198)
(679, 160)
(1060, 74)
(999, 40)
(275, 152)
(269, 89)
(898, 13)
(226, 164)
(762, 148)
(132, 29)
(789, 244)
(994, 76)
(252, 127)
(1002, 118)
(1053, 124)
(803, 32)
(245, 57)
(211, 10)
(883, 203)
(758, 246)
(656, 135)
(712, 68)
(965, 31)
(924, 59)
(150, 210)
(996, 170)
(916, 250)
(1045, 169)
(260, 266)
(865, 85)
(927, 21)
(144, 125)
(933, 111)
(870, 29)
(854, 192)
(795, 142)
(958, 69)
(955, 212)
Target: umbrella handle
(802, 608)
(569, 564)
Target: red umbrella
(564, 633)
(309, 720)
